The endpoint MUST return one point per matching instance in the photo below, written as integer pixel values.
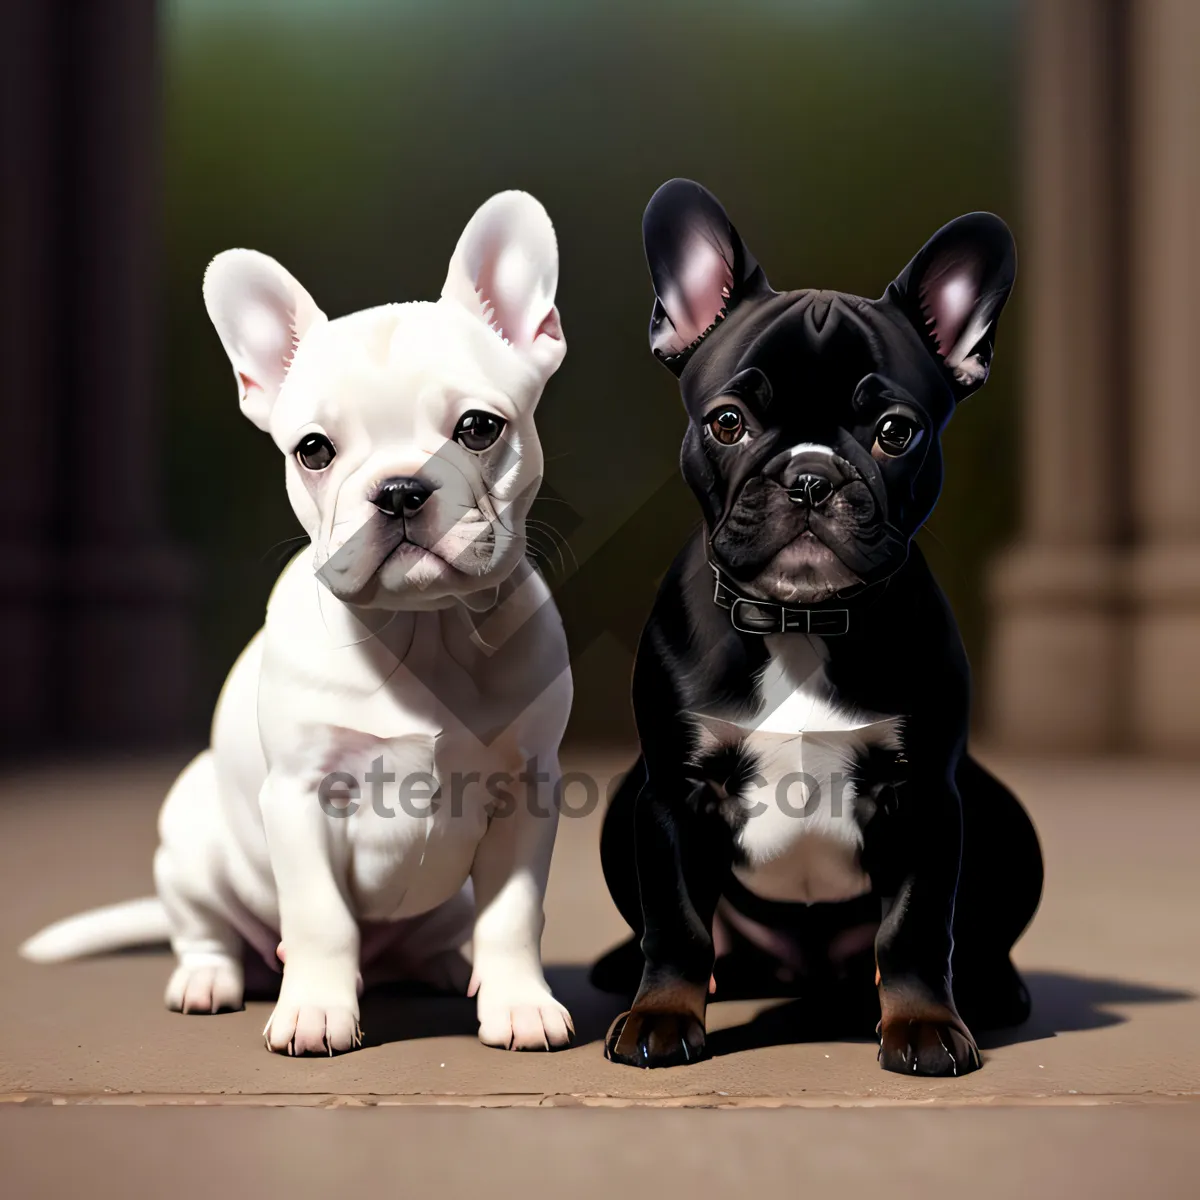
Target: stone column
(1165, 427)
(94, 625)
(127, 634)
(29, 354)
(1055, 654)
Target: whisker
(541, 554)
(561, 542)
(930, 533)
(557, 542)
(543, 499)
(291, 541)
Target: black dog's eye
(315, 451)
(895, 435)
(476, 430)
(727, 425)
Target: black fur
(954, 862)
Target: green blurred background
(353, 142)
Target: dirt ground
(1100, 1089)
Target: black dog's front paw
(655, 1038)
(927, 1047)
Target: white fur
(800, 840)
(130, 923)
(396, 673)
(814, 448)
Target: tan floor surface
(1113, 962)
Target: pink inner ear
(697, 296)
(550, 327)
(267, 337)
(949, 295)
(503, 284)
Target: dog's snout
(811, 490)
(797, 467)
(403, 496)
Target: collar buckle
(748, 616)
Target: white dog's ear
(505, 271)
(260, 313)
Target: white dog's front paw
(209, 985)
(312, 1029)
(522, 1016)
(313, 1020)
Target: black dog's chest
(794, 804)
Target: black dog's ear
(953, 292)
(700, 267)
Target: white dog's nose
(402, 496)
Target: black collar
(764, 617)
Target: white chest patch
(800, 840)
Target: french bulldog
(804, 798)
(387, 655)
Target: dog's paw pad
(928, 1048)
(206, 988)
(312, 1029)
(655, 1038)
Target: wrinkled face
(412, 457)
(411, 453)
(814, 450)
(815, 418)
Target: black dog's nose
(402, 497)
(812, 490)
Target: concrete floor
(1102, 1085)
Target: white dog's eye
(315, 452)
(476, 430)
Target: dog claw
(655, 1039)
(205, 988)
(533, 1022)
(927, 1047)
(312, 1029)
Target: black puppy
(801, 690)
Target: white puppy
(409, 645)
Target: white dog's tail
(139, 922)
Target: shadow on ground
(394, 1013)
(1062, 1003)
(402, 1012)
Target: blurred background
(144, 519)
